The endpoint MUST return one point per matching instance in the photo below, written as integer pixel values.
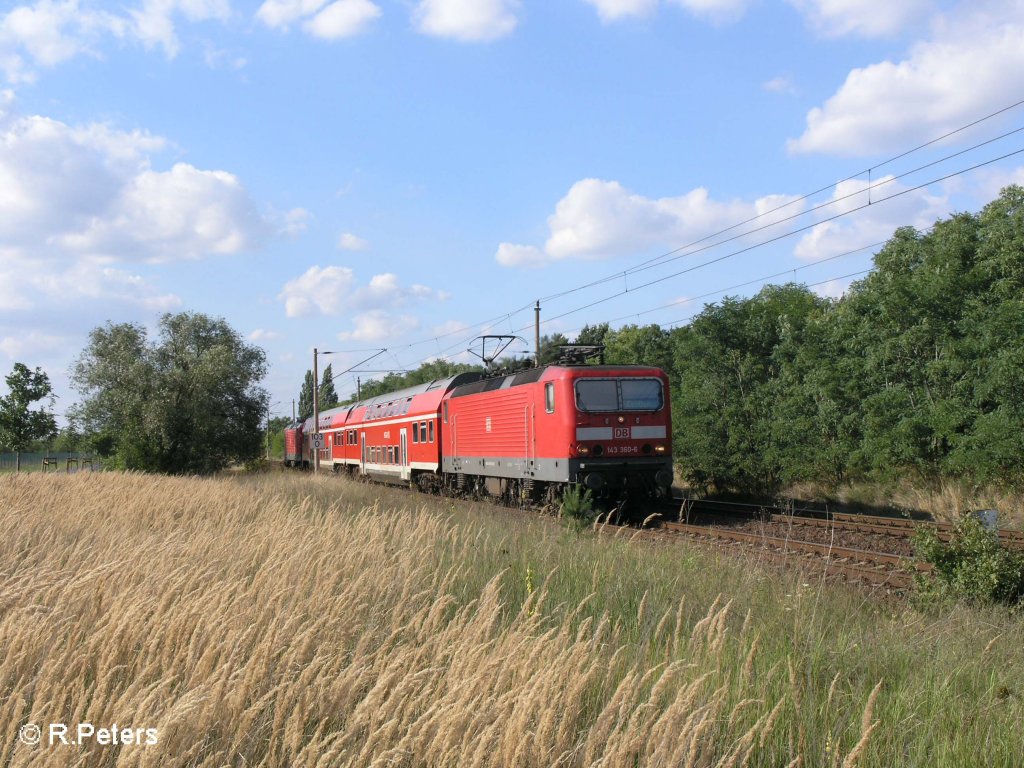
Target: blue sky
(407, 174)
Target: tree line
(918, 370)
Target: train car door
(362, 452)
(404, 452)
(530, 428)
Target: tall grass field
(287, 620)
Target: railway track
(873, 567)
(840, 521)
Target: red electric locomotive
(528, 434)
(293, 445)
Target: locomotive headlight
(659, 449)
(582, 450)
(622, 419)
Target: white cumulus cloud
(35, 285)
(89, 190)
(864, 18)
(183, 213)
(833, 289)
(349, 242)
(613, 10)
(600, 219)
(342, 18)
(49, 32)
(990, 182)
(512, 255)
(872, 224)
(466, 20)
(779, 85)
(261, 334)
(34, 343)
(280, 13)
(972, 65)
(378, 326)
(318, 289)
(320, 18)
(715, 11)
(77, 200)
(153, 22)
(332, 290)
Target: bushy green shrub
(971, 566)
(577, 505)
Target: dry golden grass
(253, 623)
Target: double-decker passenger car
(390, 437)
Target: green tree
(992, 446)
(275, 436)
(20, 425)
(327, 395)
(592, 334)
(187, 403)
(640, 345)
(729, 363)
(429, 371)
(306, 396)
(549, 348)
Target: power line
(790, 233)
(808, 285)
(664, 258)
(674, 254)
(792, 271)
(652, 261)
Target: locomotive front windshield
(619, 395)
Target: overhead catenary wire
(674, 253)
(790, 233)
(661, 257)
(649, 263)
(763, 243)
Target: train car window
(597, 395)
(619, 394)
(549, 397)
(430, 426)
(415, 433)
(641, 394)
(445, 411)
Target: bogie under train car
(521, 436)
